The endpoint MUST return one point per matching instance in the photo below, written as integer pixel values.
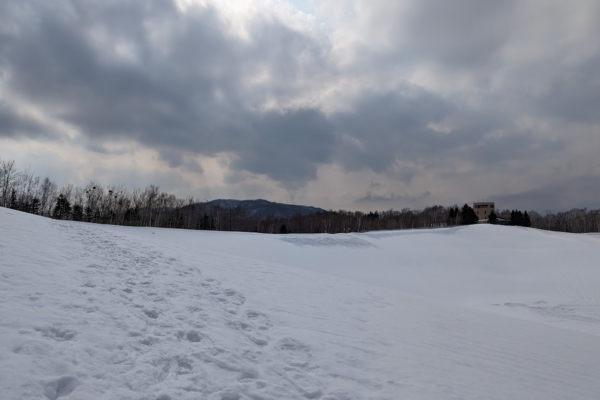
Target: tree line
(118, 205)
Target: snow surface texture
(99, 312)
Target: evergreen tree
(132, 216)
(520, 218)
(283, 229)
(77, 212)
(176, 219)
(373, 215)
(89, 214)
(452, 214)
(62, 209)
(34, 207)
(468, 216)
(205, 222)
(516, 218)
(13, 200)
(493, 218)
(526, 220)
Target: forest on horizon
(118, 205)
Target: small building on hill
(483, 209)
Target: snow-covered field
(483, 312)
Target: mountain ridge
(263, 208)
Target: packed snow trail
(90, 313)
(129, 316)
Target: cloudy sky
(354, 104)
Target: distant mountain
(261, 208)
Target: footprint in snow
(58, 334)
(185, 365)
(233, 297)
(227, 394)
(295, 353)
(151, 314)
(191, 336)
(149, 341)
(260, 320)
(61, 387)
(229, 299)
(253, 325)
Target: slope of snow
(97, 312)
(526, 273)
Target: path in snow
(145, 324)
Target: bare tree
(8, 174)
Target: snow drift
(102, 312)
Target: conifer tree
(453, 213)
(34, 208)
(77, 212)
(468, 216)
(13, 200)
(526, 220)
(62, 209)
(493, 218)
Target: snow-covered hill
(537, 275)
(484, 312)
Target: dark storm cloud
(400, 126)
(304, 133)
(173, 81)
(382, 128)
(13, 125)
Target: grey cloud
(459, 34)
(288, 146)
(384, 132)
(182, 84)
(510, 146)
(187, 92)
(399, 126)
(13, 125)
(517, 57)
(382, 128)
(162, 98)
(392, 198)
(579, 192)
(575, 95)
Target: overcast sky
(354, 104)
